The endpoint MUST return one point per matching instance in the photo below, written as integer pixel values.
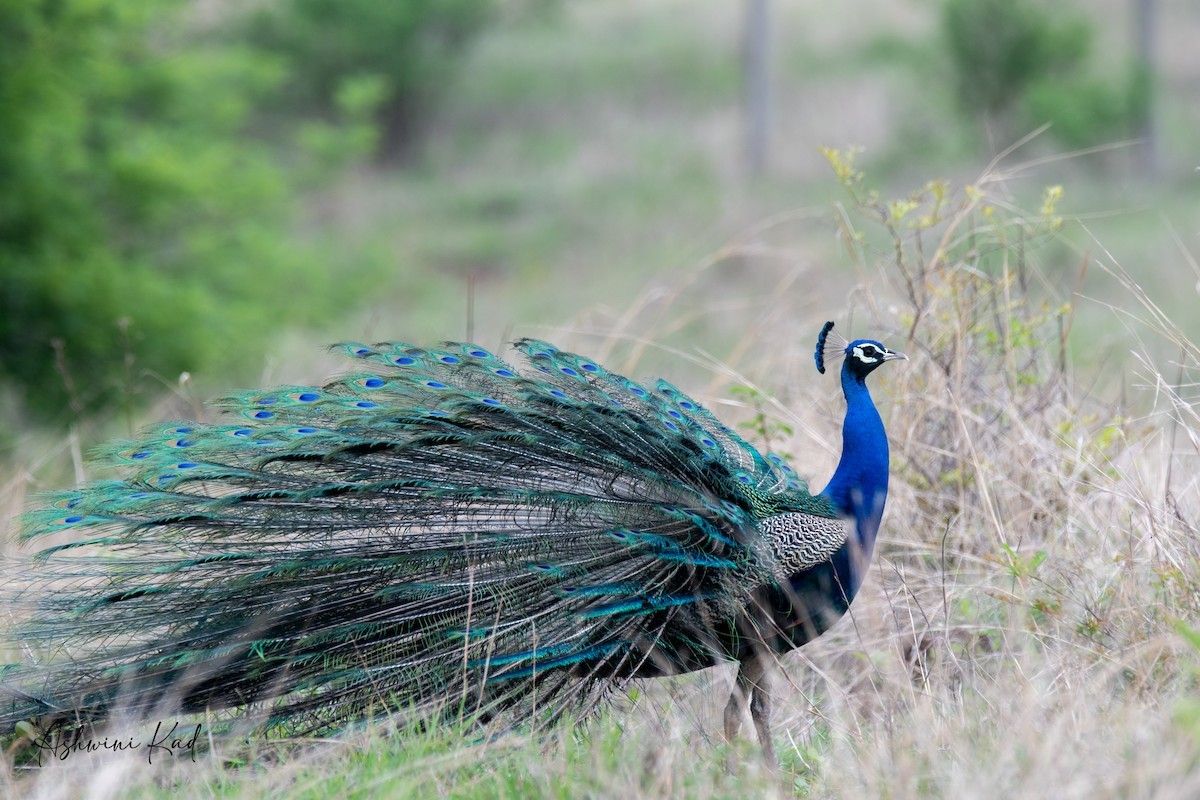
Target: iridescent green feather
(435, 528)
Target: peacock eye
(869, 350)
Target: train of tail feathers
(439, 532)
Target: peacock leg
(760, 712)
(736, 707)
(752, 686)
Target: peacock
(439, 534)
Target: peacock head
(862, 355)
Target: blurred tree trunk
(756, 85)
(1145, 16)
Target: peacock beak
(891, 355)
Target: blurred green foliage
(147, 217)
(392, 56)
(1086, 110)
(133, 218)
(1018, 64)
(999, 47)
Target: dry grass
(1026, 632)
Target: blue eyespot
(263, 414)
(434, 384)
(373, 383)
(404, 361)
(568, 371)
(448, 359)
(307, 397)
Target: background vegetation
(197, 187)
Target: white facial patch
(858, 353)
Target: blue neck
(810, 601)
(859, 486)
